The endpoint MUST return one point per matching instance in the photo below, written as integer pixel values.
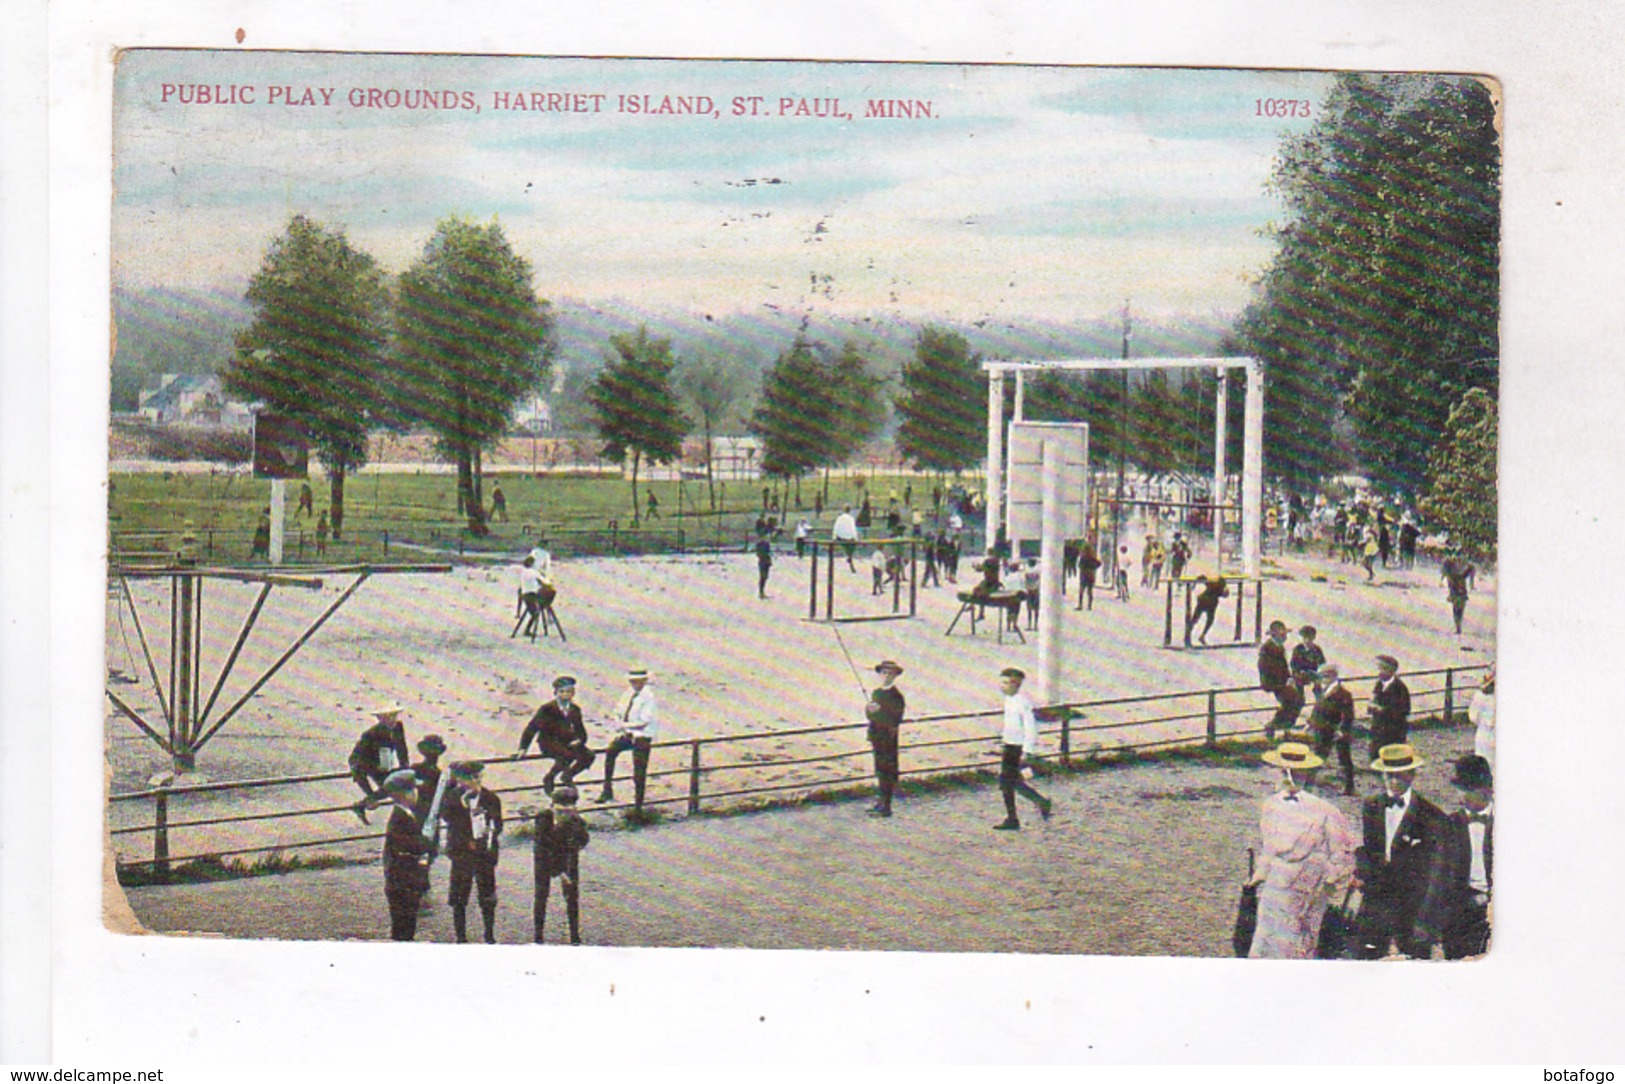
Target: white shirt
(530, 581)
(1478, 875)
(635, 713)
(1020, 724)
(544, 562)
(803, 530)
(845, 529)
(1481, 711)
(1391, 816)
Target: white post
(1050, 595)
(995, 452)
(1010, 535)
(1221, 412)
(279, 494)
(1021, 395)
(1252, 469)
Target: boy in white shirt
(1019, 736)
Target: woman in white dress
(1307, 859)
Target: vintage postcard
(789, 505)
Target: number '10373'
(1280, 107)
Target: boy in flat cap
(560, 836)
(1333, 721)
(380, 750)
(560, 733)
(1307, 659)
(473, 818)
(1390, 706)
(637, 716)
(885, 713)
(1018, 737)
(406, 855)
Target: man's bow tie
(1481, 818)
(1394, 803)
(1289, 797)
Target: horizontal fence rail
(722, 773)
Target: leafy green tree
(1461, 479)
(799, 414)
(472, 340)
(635, 403)
(859, 391)
(713, 391)
(1383, 298)
(315, 350)
(941, 407)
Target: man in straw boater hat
(406, 855)
(637, 717)
(1018, 738)
(560, 836)
(380, 750)
(1470, 860)
(884, 711)
(1308, 857)
(1390, 706)
(1332, 721)
(1275, 677)
(473, 818)
(1400, 862)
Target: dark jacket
(1273, 672)
(1307, 658)
(560, 837)
(554, 729)
(461, 845)
(1390, 711)
(1412, 885)
(406, 854)
(1334, 714)
(376, 738)
(885, 712)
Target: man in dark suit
(885, 714)
(560, 733)
(1400, 863)
(1470, 861)
(1390, 707)
(1275, 676)
(407, 854)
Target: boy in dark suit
(473, 818)
(560, 733)
(560, 836)
(1390, 707)
(1275, 677)
(1400, 863)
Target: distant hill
(192, 330)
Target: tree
(1461, 478)
(798, 414)
(635, 404)
(315, 349)
(942, 422)
(713, 392)
(472, 340)
(862, 406)
(1383, 298)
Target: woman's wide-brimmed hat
(1293, 754)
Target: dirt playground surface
(723, 663)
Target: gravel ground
(1138, 860)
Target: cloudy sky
(1041, 192)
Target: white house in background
(192, 401)
(736, 458)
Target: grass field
(399, 516)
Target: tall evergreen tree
(942, 417)
(635, 404)
(799, 413)
(472, 340)
(1461, 493)
(315, 350)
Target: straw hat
(1293, 754)
(389, 708)
(1397, 758)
